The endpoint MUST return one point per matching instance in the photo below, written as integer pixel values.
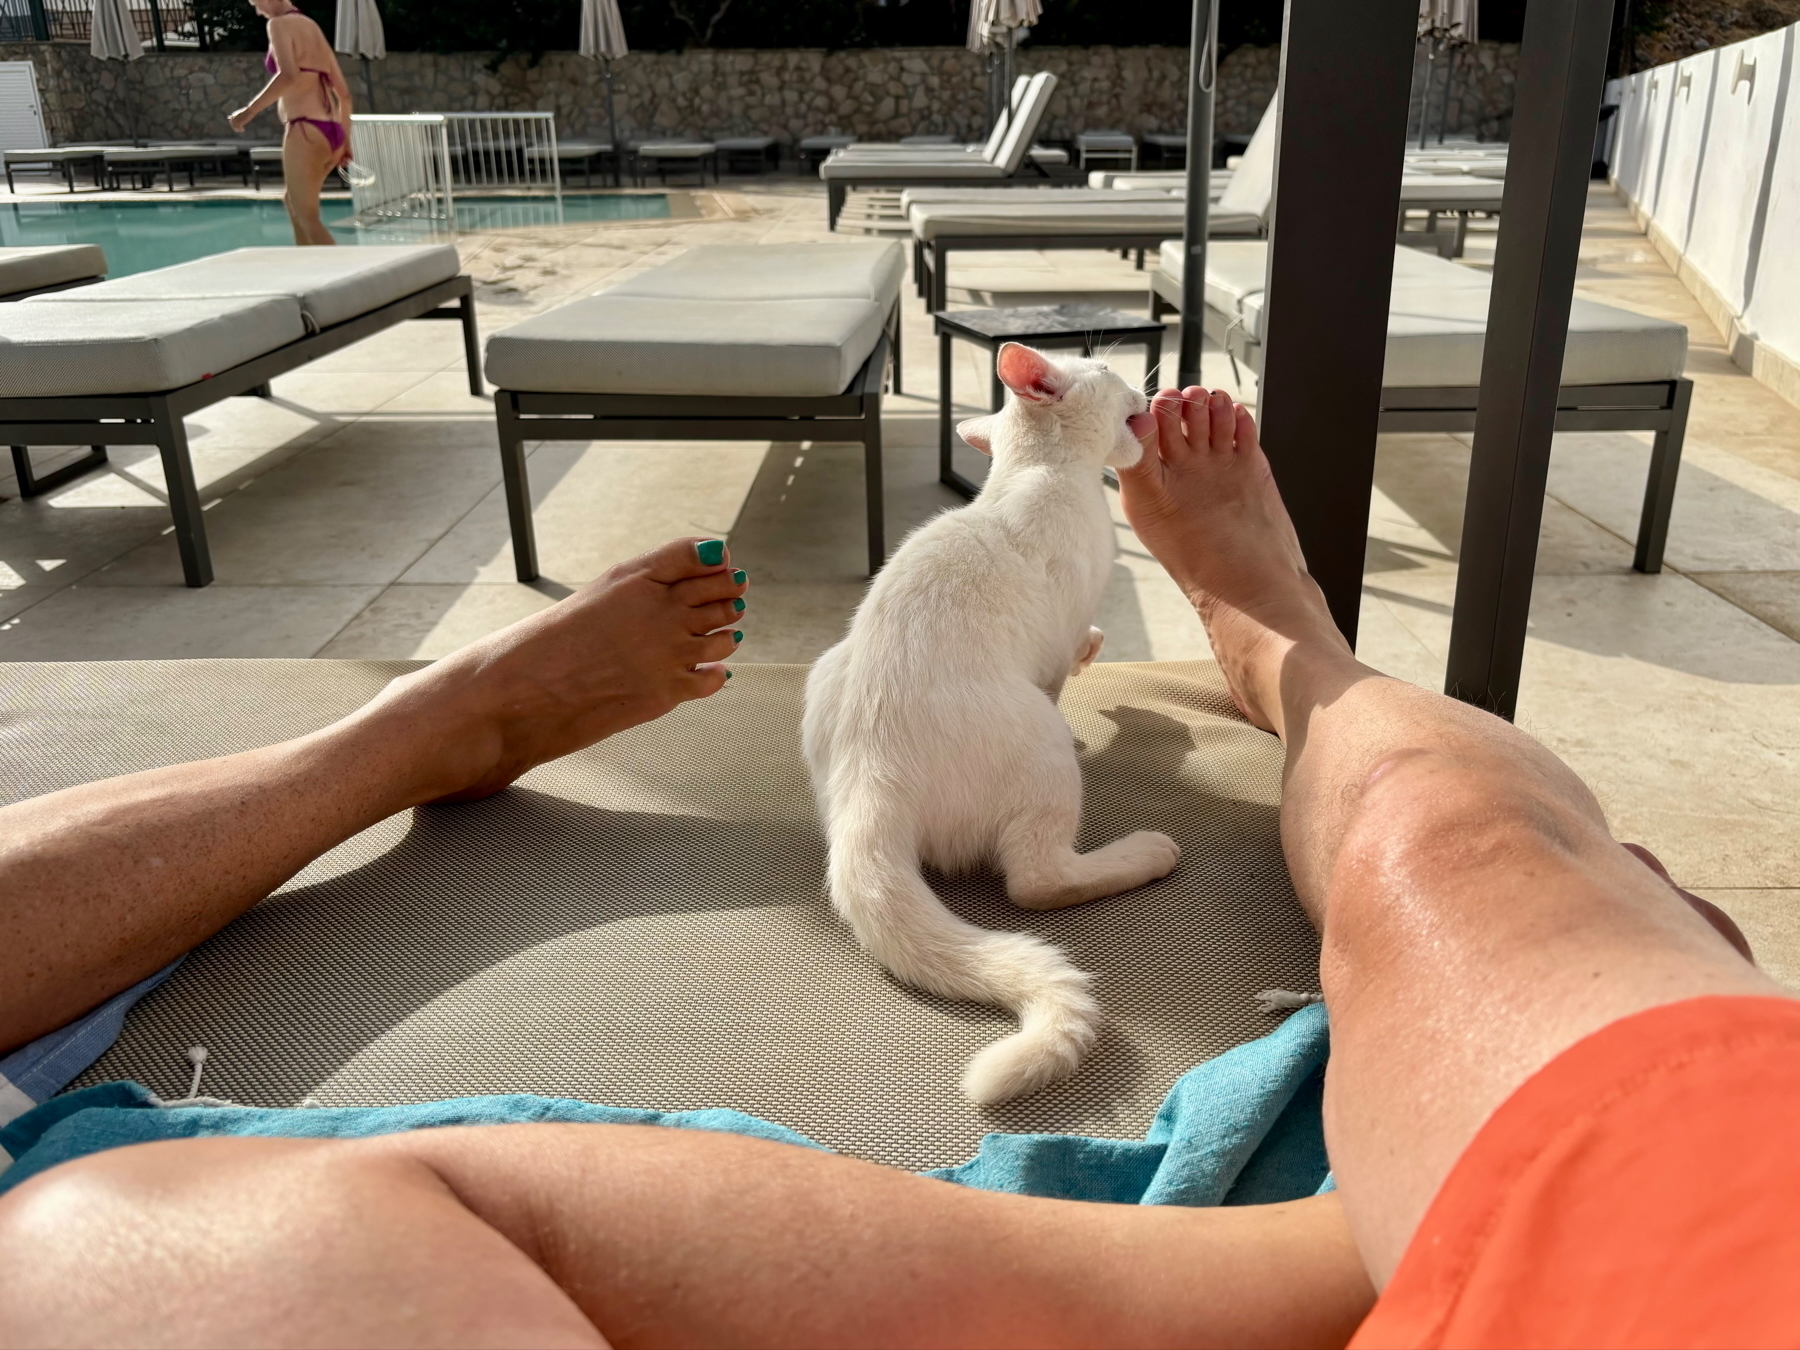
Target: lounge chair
(644, 923)
(1621, 371)
(951, 166)
(62, 159)
(45, 268)
(124, 362)
(1113, 147)
(761, 342)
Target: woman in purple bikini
(315, 107)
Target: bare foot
(1202, 499)
(626, 648)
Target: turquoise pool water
(139, 236)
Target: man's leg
(1477, 916)
(583, 1235)
(102, 884)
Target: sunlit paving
(1123, 674)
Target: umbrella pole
(130, 108)
(368, 84)
(1203, 70)
(612, 126)
(1425, 103)
(1449, 78)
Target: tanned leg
(562, 1235)
(1477, 916)
(306, 162)
(101, 885)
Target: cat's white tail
(877, 887)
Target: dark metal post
(1562, 64)
(1346, 94)
(1203, 70)
(40, 21)
(156, 26)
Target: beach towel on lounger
(1244, 1128)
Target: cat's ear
(979, 432)
(1029, 374)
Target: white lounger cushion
(870, 271)
(329, 284)
(1026, 220)
(646, 344)
(1437, 322)
(28, 269)
(103, 347)
(972, 167)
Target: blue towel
(36, 1072)
(1244, 1128)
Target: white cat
(933, 735)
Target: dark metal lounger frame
(931, 257)
(853, 415)
(1659, 406)
(156, 419)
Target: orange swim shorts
(1642, 1189)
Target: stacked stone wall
(878, 93)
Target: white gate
(504, 152)
(409, 156)
(21, 111)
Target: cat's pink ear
(1029, 374)
(978, 432)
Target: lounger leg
(184, 497)
(518, 485)
(874, 486)
(1152, 364)
(471, 344)
(834, 204)
(32, 485)
(1659, 491)
(894, 329)
(940, 283)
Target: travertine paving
(358, 514)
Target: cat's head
(1072, 407)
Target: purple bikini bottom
(333, 132)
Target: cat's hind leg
(1035, 846)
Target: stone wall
(879, 94)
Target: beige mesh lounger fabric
(644, 924)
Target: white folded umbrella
(603, 40)
(359, 33)
(113, 36)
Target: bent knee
(1427, 825)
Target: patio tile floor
(358, 514)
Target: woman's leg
(307, 159)
(583, 1235)
(102, 884)
(1478, 917)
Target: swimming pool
(138, 236)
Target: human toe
(682, 559)
(1196, 409)
(1171, 430)
(711, 618)
(1245, 431)
(713, 647)
(711, 589)
(1221, 421)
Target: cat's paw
(1153, 854)
(1089, 649)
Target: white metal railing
(503, 152)
(409, 156)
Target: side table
(661, 155)
(1083, 326)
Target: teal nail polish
(738, 604)
(710, 551)
(737, 636)
(728, 674)
(739, 577)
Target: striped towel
(36, 1072)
